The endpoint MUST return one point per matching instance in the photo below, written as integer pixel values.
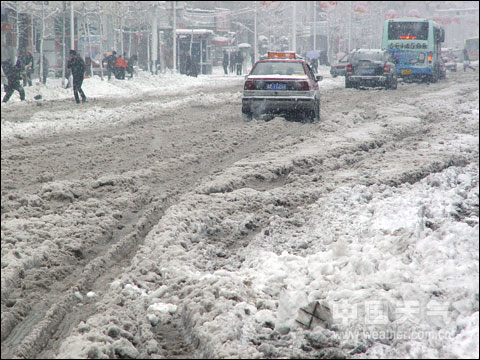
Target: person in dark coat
(315, 65)
(6, 65)
(77, 66)
(131, 62)
(239, 62)
(191, 67)
(324, 58)
(14, 74)
(231, 61)
(225, 62)
(27, 61)
(110, 62)
(45, 70)
(88, 63)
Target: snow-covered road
(153, 222)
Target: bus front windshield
(408, 30)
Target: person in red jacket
(120, 66)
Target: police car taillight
(249, 85)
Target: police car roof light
(281, 55)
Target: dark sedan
(371, 68)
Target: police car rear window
(367, 55)
(278, 68)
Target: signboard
(223, 21)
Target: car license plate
(406, 71)
(276, 86)
(367, 72)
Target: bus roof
(414, 19)
(408, 19)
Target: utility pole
(315, 26)
(174, 5)
(84, 37)
(72, 31)
(64, 8)
(294, 27)
(121, 33)
(349, 26)
(154, 40)
(40, 74)
(328, 35)
(100, 17)
(255, 35)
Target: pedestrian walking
(225, 62)
(29, 68)
(323, 58)
(315, 65)
(109, 61)
(88, 63)
(191, 67)
(45, 70)
(120, 67)
(6, 65)
(14, 74)
(239, 62)
(77, 66)
(466, 61)
(231, 61)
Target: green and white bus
(415, 45)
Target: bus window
(408, 30)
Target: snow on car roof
(281, 60)
(368, 50)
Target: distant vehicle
(415, 46)
(371, 68)
(281, 83)
(451, 57)
(339, 68)
(472, 48)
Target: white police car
(281, 83)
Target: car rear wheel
(314, 114)
(348, 83)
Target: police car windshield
(278, 68)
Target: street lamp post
(314, 25)
(174, 36)
(255, 35)
(294, 27)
